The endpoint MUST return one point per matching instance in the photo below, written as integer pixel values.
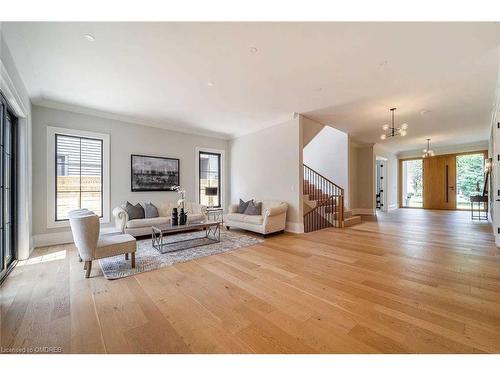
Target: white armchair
(85, 228)
(272, 219)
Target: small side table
(216, 214)
(481, 212)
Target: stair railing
(329, 197)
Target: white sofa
(272, 219)
(142, 227)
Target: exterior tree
(470, 175)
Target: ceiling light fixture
(391, 130)
(427, 151)
(253, 50)
(210, 84)
(89, 37)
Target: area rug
(147, 258)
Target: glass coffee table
(166, 244)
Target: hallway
(415, 281)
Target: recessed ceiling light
(89, 37)
(210, 84)
(253, 49)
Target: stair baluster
(329, 198)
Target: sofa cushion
(270, 204)
(134, 212)
(254, 208)
(253, 219)
(193, 218)
(235, 217)
(165, 208)
(150, 210)
(140, 223)
(243, 206)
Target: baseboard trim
(294, 227)
(363, 211)
(61, 238)
(49, 239)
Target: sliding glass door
(8, 133)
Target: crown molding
(356, 144)
(9, 91)
(53, 104)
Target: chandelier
(392, 131)
(427, 151)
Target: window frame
(52, 132)
(7, 265)
(402, 183)
(57, 163)
(211, 151)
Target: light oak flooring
(414, 281)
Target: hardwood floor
(414, 281)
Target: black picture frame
(162, 175)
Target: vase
(182, 217)
(175, 217)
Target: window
(470, 178)
(62, 165)
(78, 174)
(209, 179)
(8, 187)
(412, 183)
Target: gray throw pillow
(243, 206)
(254, 208)
(150, 210)
(134, 212)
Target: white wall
(16, 94)
(362, 178)
(326, 151)
(265, 165)
(125, 139)
(391, 174)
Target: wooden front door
(439, 182)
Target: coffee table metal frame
(159, 232)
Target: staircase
(324, 203)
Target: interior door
(439, 182)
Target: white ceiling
(344, 74)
